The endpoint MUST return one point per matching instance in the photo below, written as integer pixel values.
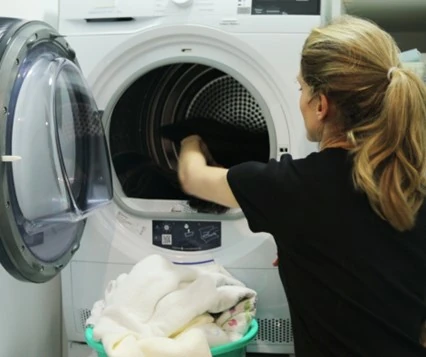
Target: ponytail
(381, 108)
(390, 152)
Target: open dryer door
(54, 167)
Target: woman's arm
(200, 180)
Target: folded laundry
(163, 309)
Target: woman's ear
(323, 107)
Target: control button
(183, 3)
(166, 227)
(186, 226)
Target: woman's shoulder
(292, 172)
(326, 160)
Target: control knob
(183, 3)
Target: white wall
(30, 318)
(45, 10)
(30, 315)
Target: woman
(350, 220)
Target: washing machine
(78, 99)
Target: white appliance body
(263, 54)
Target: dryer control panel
(284, 7)
(187, 236)
(238, 16)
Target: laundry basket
(233, 349)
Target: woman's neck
(335, 138)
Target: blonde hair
(381, 109)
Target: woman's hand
(202, 148)
(190, 139)
(275, 262)
(200, 180)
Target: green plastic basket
(233, 349)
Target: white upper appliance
(147, 63)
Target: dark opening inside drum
(144, 161)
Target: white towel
(158, 300)
(215, 335)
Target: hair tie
(351, 137)
(390, 72)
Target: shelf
(392, 15)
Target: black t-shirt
(355, 285)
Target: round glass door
(56, 167)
